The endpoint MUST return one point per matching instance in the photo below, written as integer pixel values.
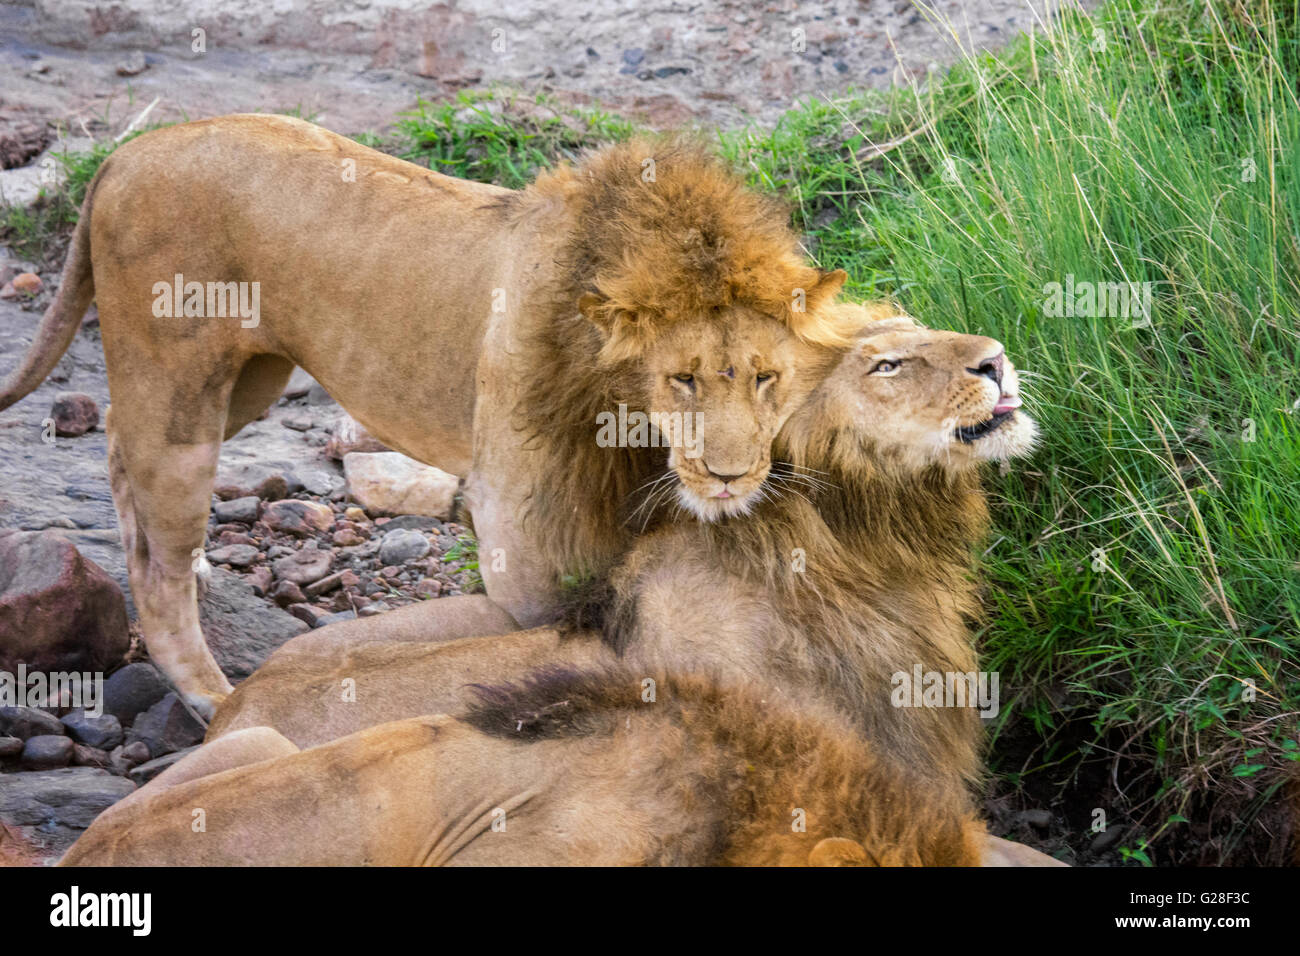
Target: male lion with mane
(857, 566)
(478, 329)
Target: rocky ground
(312, 522)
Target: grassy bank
(1144, 571)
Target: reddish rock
(74, 413)
(27, 283)
(304, 567)
(236, 555)
(286, 593)
(261, 579)
(303, 518)
(59, 611)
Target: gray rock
(10, 747)
(300, 383)
(398, 547)
(151, 768)
(70, 797)
(1106, 839)
(255, 479)
(27, 722)
(413, 523)
(166, 727)
(237, 555)
(1039, 819)
(46, 752)
(133, 689)
(237, 510)
(123, 758)
(241, 628)
(103, 732)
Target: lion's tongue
(1006, 403)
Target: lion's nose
(725, 478)
(991, 368)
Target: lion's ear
(827, 287)
(837, 851)
(625, 334)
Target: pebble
(237, 510)
(83, 756)
(236, 555)
(401, 546)
(27, 722)
(133, 689)
(304, 567)
(74, 413)
(286, 593)
(298, 517)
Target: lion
(568, 767)
(890, 395)
(856, 569)
(224, 252)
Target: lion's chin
(715, 509)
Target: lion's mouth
(972, 433)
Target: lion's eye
(885, 366)
(762, 378)
(686, 378)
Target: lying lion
(569, 768)
(474, 328)
(858, 568)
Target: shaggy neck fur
(885, 585)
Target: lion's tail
(63, 317)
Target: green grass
(1173, 448)
(1172, 445)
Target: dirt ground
(668, 63)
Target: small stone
(351, 436)
(319, 482)
(1106, 839)
(260, 578)
(234, 537)
(372, 609)
(298, 517)
(74, 413)
(347, 538)
(133, 689)
(286, 593)
(355, 514)
(10, 747)
(325, 584)
(27, 722)
(103, 732)
(401, 546)
(428, 588)
(47, 752)
(83, 756)
(413, 523)
(253, 479)
(298, 423)
(237, 510)
(236, 555)
(130, 755)
(303, 567)
(166, 727)
(310, 614)
(134, 64)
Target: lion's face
(921, 397)
(731, 384)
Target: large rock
(59, 611)
(241, 628)
(305, 566)
(388, 483)
(52, 807)
(133, 689)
